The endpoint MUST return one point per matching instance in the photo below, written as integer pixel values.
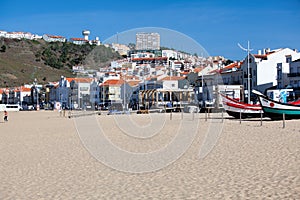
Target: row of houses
(51, 38)
(78, 93)
(19, 35)
(81, 93)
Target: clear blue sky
(217, 25)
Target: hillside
(21, 61)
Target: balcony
(293, 74)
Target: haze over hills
(21, 61)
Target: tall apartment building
(147, 41)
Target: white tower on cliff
(86, 34)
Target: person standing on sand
(5, 116)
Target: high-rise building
(147, 41)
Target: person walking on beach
(5, 116)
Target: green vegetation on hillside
(23, 60)
(58, 55)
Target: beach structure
(160, 98)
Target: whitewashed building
(263, 67)
(169, 53)
(142, 55)
(171, 82)
(19, 35)
(94, 92)
(54, 38)
(283, 70)
(294, 73)
(122, 49)
(79, 41)
(3, 33)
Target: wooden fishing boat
(238, 109)
(275, 110)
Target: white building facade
(54, 38)
(147, 41)
(263, 68)
(294, 74)
(169, 54)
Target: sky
(216, 25)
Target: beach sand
(43, 157)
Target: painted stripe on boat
(281, 111)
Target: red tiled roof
(172, 78)
(133, 83)
(228, 67)
(16, 89)
(16, 32)
(24, 89)
(78, 39)
(80, 80)
(55, 36)
(113, 82)
(233, 65)
(263, 55)
(184, 73)
(131, 77)
(260, 56)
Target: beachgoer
(5, 116)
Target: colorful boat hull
(240, 110)
(275, 110)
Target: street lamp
(124, 91)
(7, 95)
(37, 94)
(248, 67)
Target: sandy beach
(42, 156)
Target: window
(279, 74)
(295, 83)
(173, 85)
(288, 59)
(292, 70)
(84, 88)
